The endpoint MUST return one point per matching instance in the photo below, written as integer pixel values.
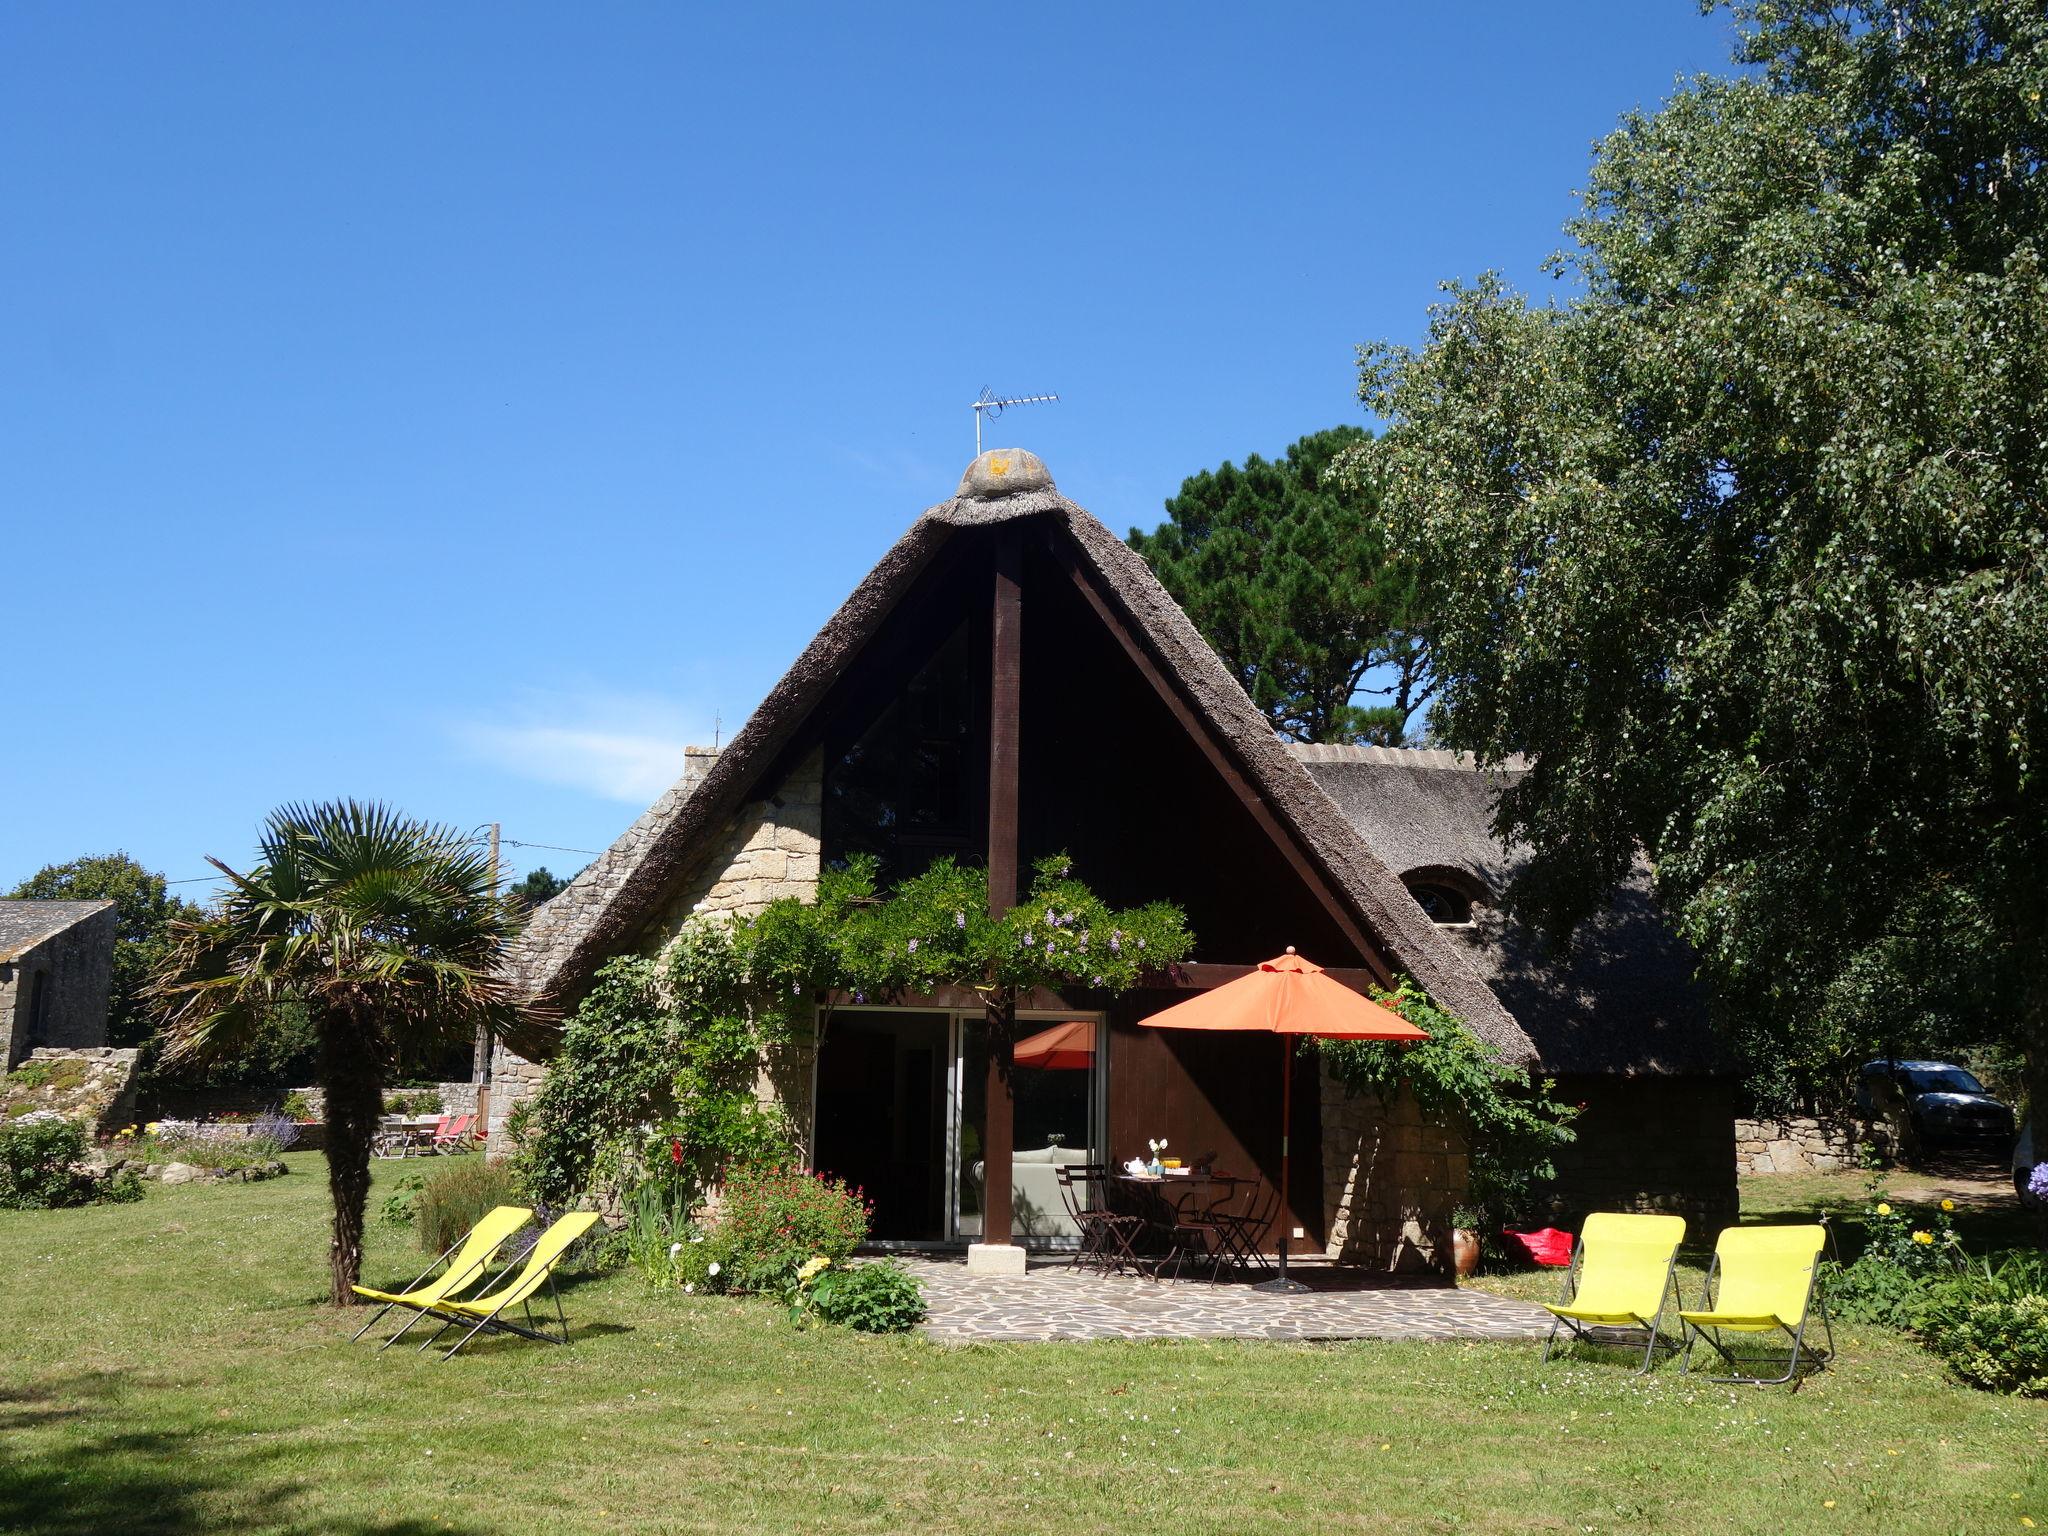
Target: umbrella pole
(1281, 1284)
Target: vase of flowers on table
(1157, 1147)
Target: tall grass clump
(456, 1198)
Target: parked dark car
(1940, 1105)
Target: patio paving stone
(1053, 1300)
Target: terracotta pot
(1464, 1251)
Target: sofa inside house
(1036, 1209)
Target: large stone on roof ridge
(1004, 472)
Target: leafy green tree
(538, 884)
(1288, 575)
(144, 910)
(386, 930)
(1746, 542)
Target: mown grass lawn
(167, 1367)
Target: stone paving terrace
(1053, 1300)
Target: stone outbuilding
(56, 975)
(1011, 681)
(1619, 1023)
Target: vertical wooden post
(1005, 687)
(480, 1055)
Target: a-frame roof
(607, 907)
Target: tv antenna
(990, 406)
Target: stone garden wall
(95, 1084)
(1803, 1144)
(1390, 1180)
(770, 849)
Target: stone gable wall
(1390, 1181)
(770, 849)
(1648, 1144)
(75, 969)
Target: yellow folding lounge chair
(1763, 1280)
(487, 1311)
(465, 1261)
(1622, 1271)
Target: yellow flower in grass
(1948, 1205)
(1883, 1209)
(812, 1267)
(1923, 1238)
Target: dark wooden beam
(1004, 744)
(1246, 792)
(1201, 977)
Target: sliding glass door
(902, 1100)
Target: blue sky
(466, 406)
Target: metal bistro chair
(1105, 1233)
(1242, 1232)
(1203, 1236)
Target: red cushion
(1546, 1246)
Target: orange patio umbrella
(1288, 996)
(1063, 1048)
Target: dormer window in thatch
(1447, 895)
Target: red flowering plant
(769, 1222)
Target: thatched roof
(1624, 1000)
(605, 910)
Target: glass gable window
(905, 789)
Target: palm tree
(387, 930)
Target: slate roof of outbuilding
(605, 909)
(1624, 1001)
(25, 924)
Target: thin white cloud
(620, 747)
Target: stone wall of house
(1390, 1181)
(1649, 1144)
(770, 849)
(74, 970)
(1803, 1144)
(95, 1084)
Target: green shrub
(769, 1222)
(37, 1154)
(1990, 1324)
(402, 1206)
(876, 1297)
(1899, 1261)
(1871, 1290)
(455, 1199)
(1511, 1123)
(296, 1105)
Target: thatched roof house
(1011, 680)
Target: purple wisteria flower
(913, 946)
(2037, 1182)
(1116, 943)
(959, 919)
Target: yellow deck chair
(487, 1311)
(465, 1263)
(1763, 1280)
(1623, 1270)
